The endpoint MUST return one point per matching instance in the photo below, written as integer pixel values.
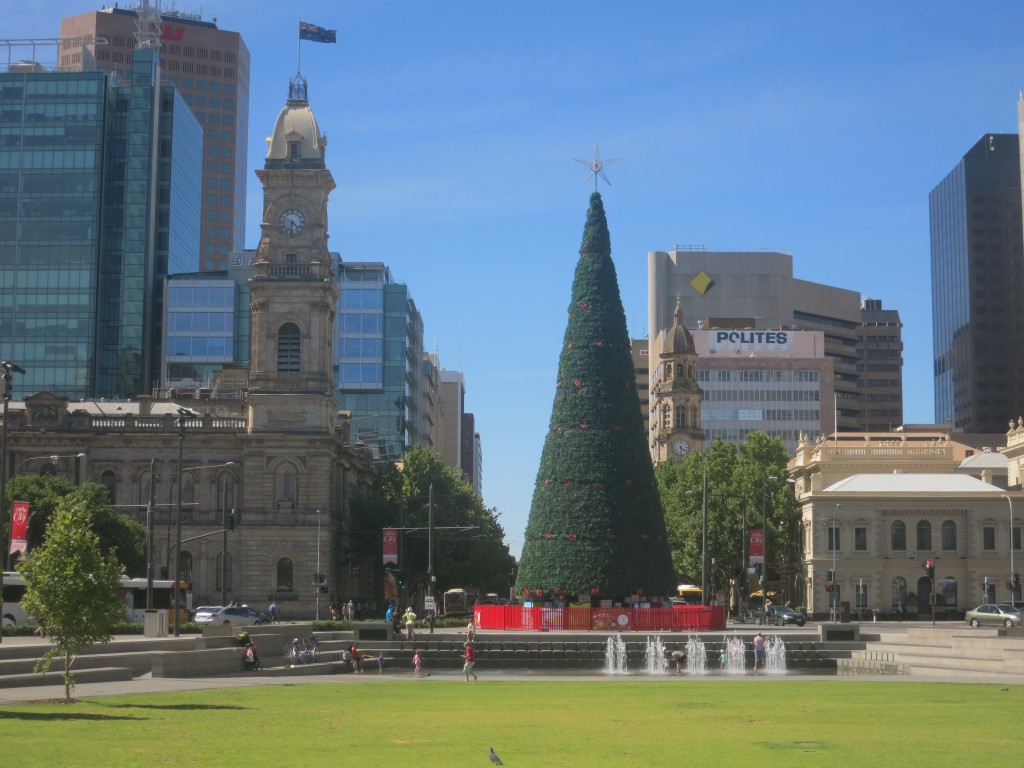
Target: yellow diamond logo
(701, 283)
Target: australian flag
(317, 34)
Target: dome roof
(678, 340)
(296, 127)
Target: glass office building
(380, 373)
(379, 354)
(977, 260)
(94, 179)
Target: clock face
(292, 221)
(681, 447)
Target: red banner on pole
(19, 527)
(756, 546)
(391, 546)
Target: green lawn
(448, 722)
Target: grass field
(448, 722)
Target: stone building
(874, 508)
(270, 444)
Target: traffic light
(231, 520)
(1016, 580)
(828, 587)
(929, 568)
(399, 578)
(830, 576)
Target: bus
(132, 592)
(689, 594)
(460, 602)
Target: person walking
(417, 662)
(272, 612)
(469, 659)
(409, 619)
(758, 651)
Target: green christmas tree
(596, 523)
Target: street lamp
(8, 369)
(1012, 572)
(764, 534)
(21, 465)
(834, 541)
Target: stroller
(251, 661)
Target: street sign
(786, 570)
(428, 602)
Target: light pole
(53, 458)
(7, 369)
(764, 534)
(704, 539)
(1010, 502)
(317, 579)
(834, 541)
(224, 544)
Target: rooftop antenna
(148, 26)
(596, 167)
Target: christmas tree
(596, 523)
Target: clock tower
(675, 396)
(293, 293)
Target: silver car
(994, 616)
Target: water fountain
(654, 655)
(735, 656)
(774, 655)
(615, 656)
(696, 656)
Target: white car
(228, 615)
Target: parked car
(994, 616)
(227, 615)
(780, 615)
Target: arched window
(185, 566)
(947, 590)
(899, 593)
(289, 348)
(145, 482)
(693, 415)
(108, 479)
(948, 534)
(924, 535)
(224, 580)
(284, 575)
(898, 537)
(286, 486)
(680, 416)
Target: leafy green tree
(596, 524)
(745, 483)
(119, 535)
(71, 588)
(474, 557)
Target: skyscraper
(210, 67)
(977, 259)
(98, 191)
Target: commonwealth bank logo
(701, 283)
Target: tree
(745, 483)
(400, 498)
(596, 524)
(119, 535)
(71, 588)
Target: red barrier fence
(677, 618)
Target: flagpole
(299, 57)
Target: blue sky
(813, 128)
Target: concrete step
(95, 675)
